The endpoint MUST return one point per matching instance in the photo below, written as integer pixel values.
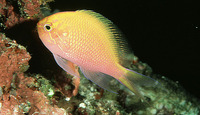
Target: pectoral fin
(66, 65)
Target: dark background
(164, 34)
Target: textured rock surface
(20, 93)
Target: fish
(89, 41)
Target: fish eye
(47, 27)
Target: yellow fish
(90, 41)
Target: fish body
(88, 40)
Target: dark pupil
(47, 27)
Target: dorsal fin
(119, 43)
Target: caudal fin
(132, 80)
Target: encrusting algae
(88, 40)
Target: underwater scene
(132, 57)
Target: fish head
(46, 29)
(53, 31)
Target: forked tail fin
(132, 80)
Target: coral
(63, 84)
(8, 17)
(18, 11)
(13, 60)
(29, 8)
(20, 93)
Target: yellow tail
(132, 80)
